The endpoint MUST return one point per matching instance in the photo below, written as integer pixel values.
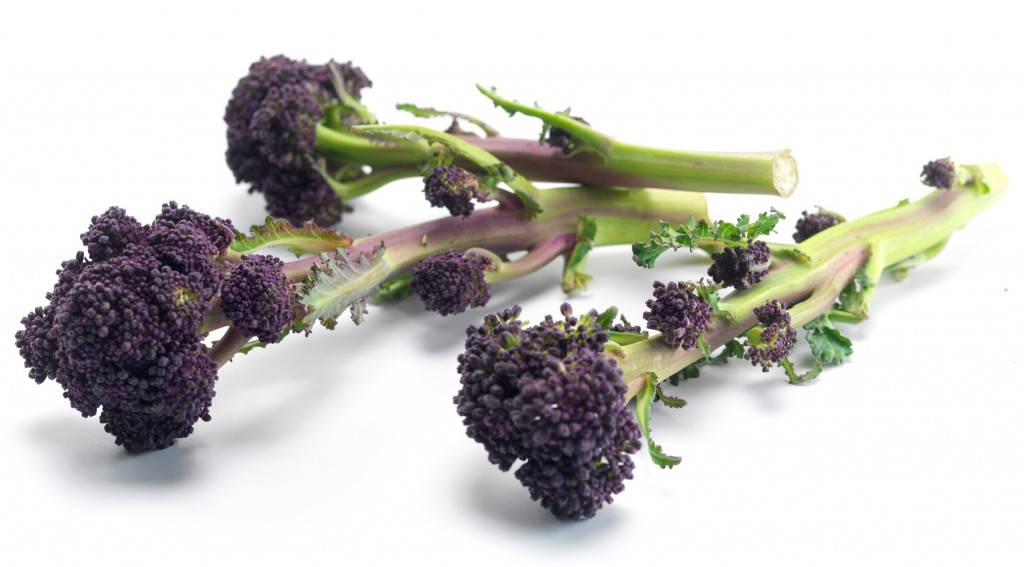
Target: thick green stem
(810, 289)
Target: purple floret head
(220, 231)
(776, 339)
(271, 129)
(548, 396)
(679, 313)
(257, 297)
(120, 333)
(741, 266)
(110, 233)
(451, 282)
(940, 174)
(453, 188)
(810, 224)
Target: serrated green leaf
(796, 378)
(644, 404)
(338, 284)
(828, 344)
(695, 232)
(306, 239)
(428, 112)
(669, 401)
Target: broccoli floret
(741, 266)
(547, 395)
(453, 188)
(271, 119)
(775, 340)
(940, 174)
(678, 313)
(110, 233)
(121, 332)
(257, 297)
(810, 224)
(451, 282)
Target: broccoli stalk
(125, 328)
(554, 395)
(299, 134)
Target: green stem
(360, 149)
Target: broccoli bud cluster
(271, 118)
(741, 266)
(451, 282)
(257, 297)
(940, 174)
(548, 396)
(810, 224)
(775, 340)
(453, 188)
(679, 313)
(120, 332)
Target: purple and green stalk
(572, 219)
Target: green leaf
(573, 277)
(828, 345)
(306, 239)
(605, 318)
(696, 232)
(669, 401)
(622, 339)
(644, 403)
(789, 251)
(427, 112)
(496, 170)
(338, 284)
(794, 377)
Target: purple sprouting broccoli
(272, 118)
(679, 313)
(451, 282)
(810, 224)
(453, 188)
(741, 266)
(776, 338)
(257, 297)
(124, 330)
(121, 332)
(940, 174)
(299, 134)
(548, 396)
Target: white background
(344, 448)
